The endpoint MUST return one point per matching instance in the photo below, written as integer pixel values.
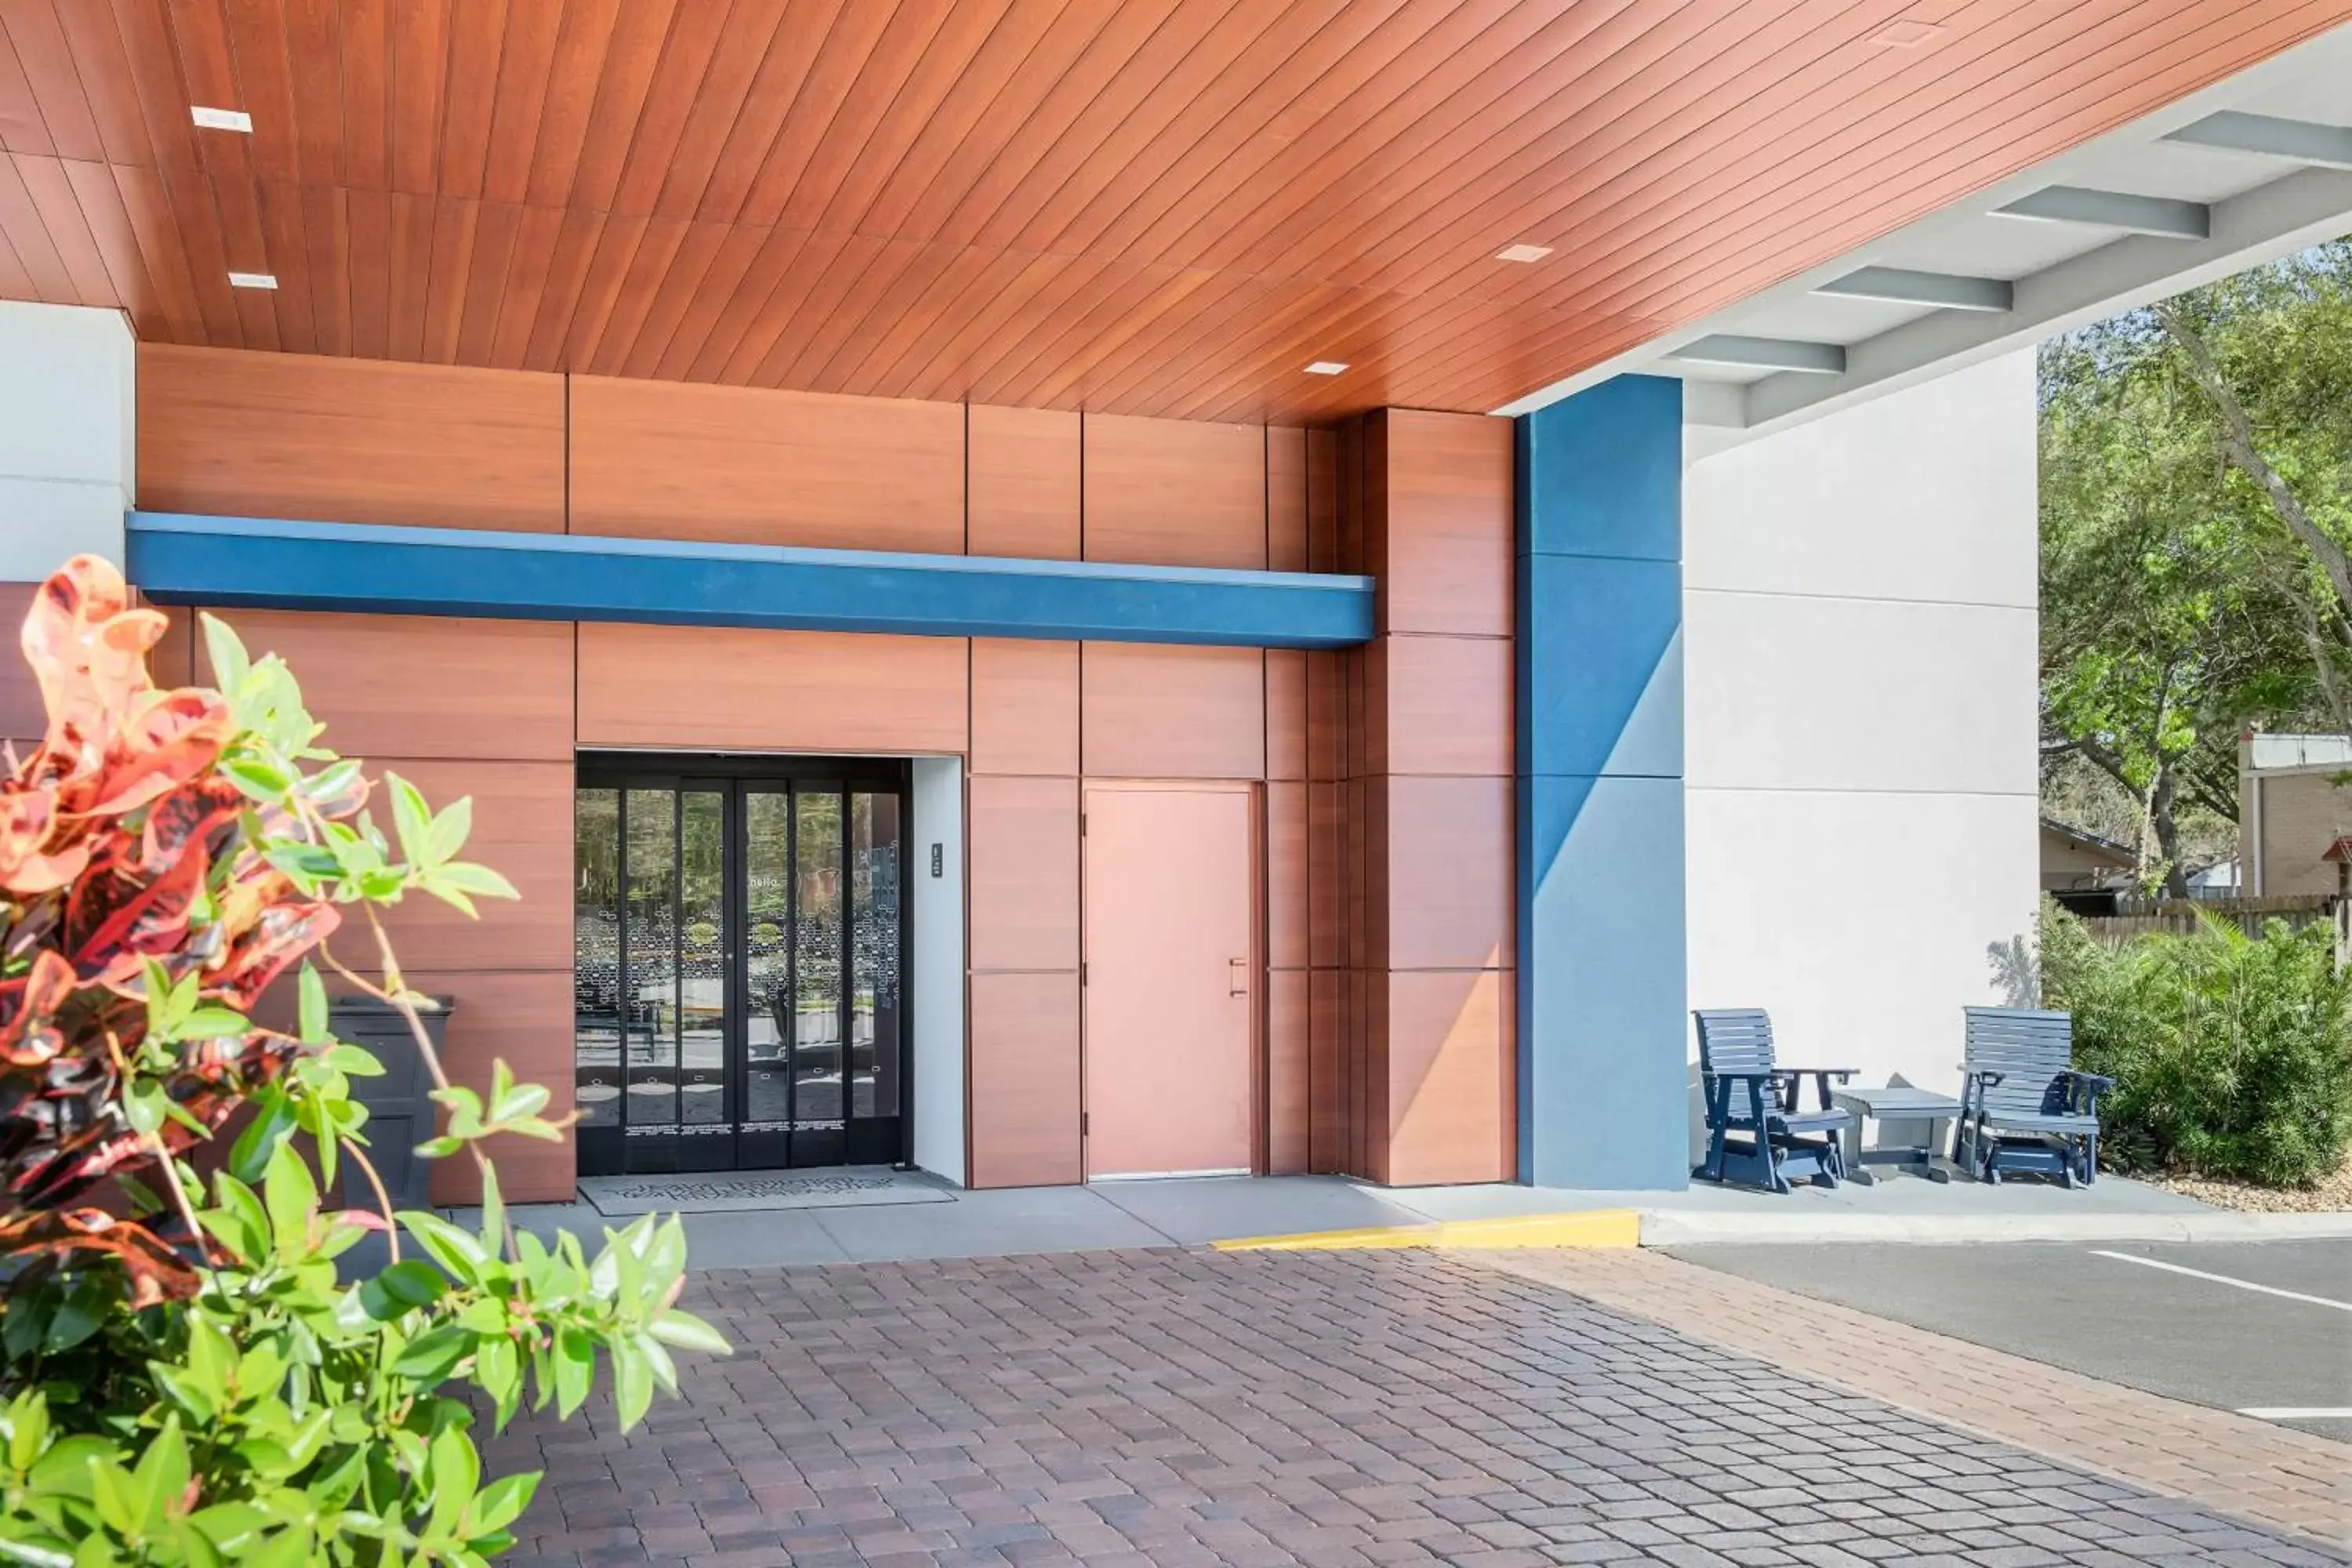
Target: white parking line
(2299, 1413)
(2222, 1279)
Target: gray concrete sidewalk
(1187, 1212)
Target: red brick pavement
(1333, 1409)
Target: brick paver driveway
(1340, 1408)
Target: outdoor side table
(1896, 1105)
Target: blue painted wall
(273, 564)
(1601, 1096)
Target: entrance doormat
(731, 1192)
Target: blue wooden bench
(1749, 1094)
(2022, 1105)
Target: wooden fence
(2181, 917)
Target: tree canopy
(2195, 510)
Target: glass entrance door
(739, 933)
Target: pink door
(1169, 992)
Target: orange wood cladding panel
(525, 1019)
(1448, 1047)
(1024, 482)
(667, 460)
(339, 440)
(1025, 707)
(22, 714)
(423, 686)
(1158, 710)
(1327, 1100)
(1286, 498)
(1024, 1079)
(522, 829)
(1323, 500)
(770, 690)
(1023, 852)
(1441, 511)
(1288, 1070)
(1448, 890)
(171, 662)
(1285, 714)
(1286, 916)
(1443, 705)
(1175, 492)
(1326, 884)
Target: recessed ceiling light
(213, 119)
(1326, 367)
(253, 280)
(1907, 34)
(1522, 253)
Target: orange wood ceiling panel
(665, 460)
(768, 690)
(341, 440)
(1123, 206)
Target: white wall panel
(68, 412)
(937, 969)
(1860, 646)
(1787, 692)
(1889, 499)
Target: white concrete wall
(67, 411)
(1859, 635)
(936, 982)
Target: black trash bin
(400, 1109)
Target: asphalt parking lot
(2263, 1328)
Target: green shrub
(2232, 1055)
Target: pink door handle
(1240, 977)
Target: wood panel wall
(497, 709)
(227, 431)
(459, 707)
(1409, 830)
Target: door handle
(1239, 978)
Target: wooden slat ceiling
(1145, 207)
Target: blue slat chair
(1749, 1094)
(2022, 1105)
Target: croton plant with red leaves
(187, 1375)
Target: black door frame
(606, 1151)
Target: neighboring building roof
(2220, 874)
(2268, 751)
(2091, 843)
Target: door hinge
(1082, 1123)
(1082, 824)
(1082, 974)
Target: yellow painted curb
(1591, 1227)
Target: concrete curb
(1591, 1227)
(1666, 1227)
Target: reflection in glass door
(740, 934)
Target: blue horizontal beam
(260, 563)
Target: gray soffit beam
(2254, 227)
(2159, 216)
(2306, 142)
(1764, 353)
(1902, 286)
